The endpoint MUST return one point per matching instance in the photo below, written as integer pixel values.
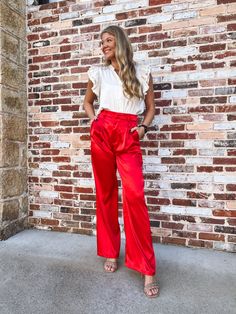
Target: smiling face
(108, 46)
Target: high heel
(113, 265)
(149, 287)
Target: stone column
(13, 118)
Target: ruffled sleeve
(143, 74)
(93, 74)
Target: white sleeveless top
(107, 86)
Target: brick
(158, 2)
(225, 1)
(184, 152)
(177, 241)
(184, 234)
(150, 11)
(212, 11)
(209, 169)
(231, 27)
(231, 238)
(223, 229)
(186, 186)
(183, 136)
(150, 29)
(226, 18)
(213, 65)
(214, 47)
(183, 218)
(231, 187)
(210, 236)
(231, 222)
(126, 15)
(186, 67)
(135, 22)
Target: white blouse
(107, 86)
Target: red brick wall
(190, 152)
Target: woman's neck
(115, 65)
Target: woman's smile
(108, 46)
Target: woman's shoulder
(98, 70)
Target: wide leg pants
(114, 147)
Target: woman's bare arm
(150, 105)
(150, 109)
(88, 101)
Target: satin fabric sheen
(114, 147)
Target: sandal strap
(111, 263)
(151, 286)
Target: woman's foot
(110, 265)
(151, 288)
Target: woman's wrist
(144, 126)
(93, 118)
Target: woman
(123, 89)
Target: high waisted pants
(114, 147)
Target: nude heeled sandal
(113, 265)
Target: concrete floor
(51, 272)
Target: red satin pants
(114, 147)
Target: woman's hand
(93, 119)
(140, 131)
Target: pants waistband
(119, 115)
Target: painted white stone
(201, 4)
(176, 93)
(229, 247)
(164, 152)
(49, 194)
(175, 77)
(184, 51)
(199, 161)
(69, 16)
(48, 137)
(232, 99)
(159, 18)
(198, 144)
(151, 160)
(41, 173)
(225, 73)
(211, 152)
(204, 75)
(60, 145)
(186, 210)
(86, 182)
(48, 166)
(172, 194)
(135, 4)
(174, 7)
(140, 56)
(42, 214)
(155, 168)
(185, 15)
(225, 126)
(224, 178)
(113, 8)
(104, 18)
(162, 119)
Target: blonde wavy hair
(124, 57)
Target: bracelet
(144, 126)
